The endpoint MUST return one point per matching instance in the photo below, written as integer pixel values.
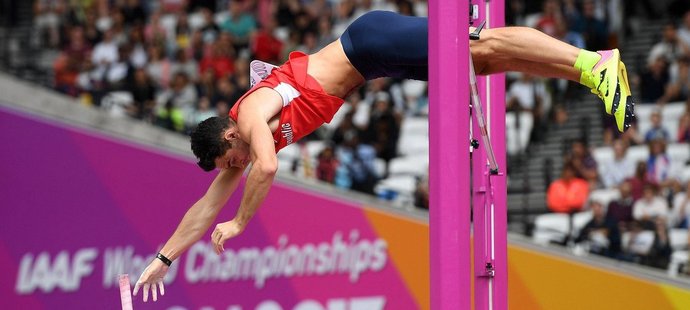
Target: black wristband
(164, 259)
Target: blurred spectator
(241, 79)
(133, 12)
(678, 87)
(66, 69)
(551, 14)
(325, 31)
(525, 94)
(309, 44)
(91, 32)
(669, 48)
(286, 10)
(566, 35)
(654, 80)
(657, 131)
(205, 5)
(105, 53)
(220, 59)
(601, 232)
(584, 163)
(207, 85)
(358, 158)
(620, 168)
(179, 99)
(620, 210)
(170, 117)
(154, 31)
(528, 95)
(384, 129)
(158, 67)
(222, 108)
(684, 34)
(421, 193)
(118, 70)
(209, 31)
(202, 112)
(327, 164)
(658, 163)
(560, 114)
(661, 250)
(680, 216)
(650, 207)
(569, 193)
(345, 130)
(183, 33)
(593, 29)
(515, 12)
(47, 20)
(137, 55)
(143, 91)
(684, 124)
(639, 180)
(239, 24)
(265, 45)
(182, 63)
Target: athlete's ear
(231, 134)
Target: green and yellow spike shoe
(623, 107)
(605, 78)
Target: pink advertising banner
(80, 208)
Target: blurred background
(575, 184)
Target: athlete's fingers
(154, 293)
(146, 291)
(136, 288)
(161, 287)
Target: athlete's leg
(523, 43)
(548, 70)
(602, 71)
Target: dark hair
(208, 143)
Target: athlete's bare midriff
(331, 68)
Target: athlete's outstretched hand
(223, 232)
(150, 278)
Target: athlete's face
(237, 156)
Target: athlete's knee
(483, 50)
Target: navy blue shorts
(386, 44)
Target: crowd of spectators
(653, 195)
(173, 63)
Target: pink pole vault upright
(452, 275)
(449, 182)
(489, 189)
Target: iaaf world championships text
(352, 256)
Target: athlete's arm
(193, 225)
(253, 117)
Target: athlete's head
(216, 143)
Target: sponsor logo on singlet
(286, 131)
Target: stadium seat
(290, 152)
(604, 196)
(550, 227)
(315, 147)
(679, 259)
(638, 153)
(678, 238)
(415, 126)
(603, 155)
(641, 245)
(679, 152)
(413, 145)
(409, 165)
(517, 138)
(400, 187)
